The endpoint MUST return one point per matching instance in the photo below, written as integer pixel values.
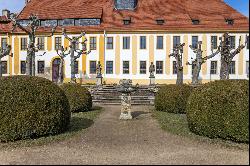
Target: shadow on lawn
(136, 114)
(79, 123)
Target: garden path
(140, 141)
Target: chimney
(26, 2)
(6, 13)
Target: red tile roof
(177, 14)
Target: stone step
(119, 97)
(117, 103)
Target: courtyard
(139, 141)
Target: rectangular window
(76, 68)
(125, 67)
(143, 42)
(58, 43)
(110, 43)
(176, 41)
(143, 67)
(92, 67)
(194, 41)
(4, 67)
(126, 42)
(40, 67)
(40, 43)
(232, 42)
(109, 67)
(92, 43)
(213, 67)
(159, 44)
(214, 43)
(232, 68)
(23, 67)
(24, 44)
(247, 68)
(159, 67)
(4, 43)
(174, 67)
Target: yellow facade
(151, 48)
(168, 52)
(16, 55)
(241, 57)
(117, 54)
(101, 52)
(204, 48)
(133, 55)
(185, 55)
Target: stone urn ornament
(126, 88)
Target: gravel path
(140, 141)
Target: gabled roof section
(178, 15)
(62, 9)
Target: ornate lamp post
(126, 88)
(30, 29)
(4, 52)
(73, 43)
(177, 54)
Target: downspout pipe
(104, 52)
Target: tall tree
(227, 54)
(30, 28)
(177, 54)
(199, 60)
(74, 41)
(62, 55)
(4, 51)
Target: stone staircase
(110, 96)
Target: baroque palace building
(126, 36)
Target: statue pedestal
(99, 80)
(126, 107)
(152, 80)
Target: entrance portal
(55, 69)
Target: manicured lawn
(173, 123)
(79, 122)
(177, 124)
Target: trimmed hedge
(220, 110)
(31, 107)
(79, 97)
(173, 98)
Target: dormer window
(195, 21)
(127, 21)
(160, 21)
(229, 21)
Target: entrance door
(55, 69)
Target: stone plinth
(152, 80)
(126, 107)
(99, 80)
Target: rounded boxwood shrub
(220, 110)
(79, 97)
(173, 98)
(31, 107)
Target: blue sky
(17, 5)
